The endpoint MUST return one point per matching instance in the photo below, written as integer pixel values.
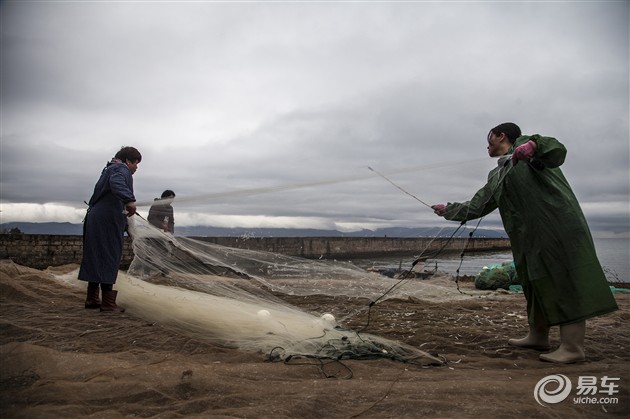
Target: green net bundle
(497, 276)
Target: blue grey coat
(105, 223)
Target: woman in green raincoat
(554, 254)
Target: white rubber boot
(571, 345)
(537, 338)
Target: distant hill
(203, 231)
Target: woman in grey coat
(104, 226)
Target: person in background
(104, 226)
(563, 281)
(161, 212)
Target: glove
(439, 209)
(524, 152)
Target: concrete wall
(41, 251)
(356, 247)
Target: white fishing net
(241, 298)
(233, 297)
(159, 254)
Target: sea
(613, 254)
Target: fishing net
(497, 276)
(233, 297)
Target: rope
(406, 274)
(411, 195)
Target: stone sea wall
(42, 251)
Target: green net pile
(500, 275)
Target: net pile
(232, 297)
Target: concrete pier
(358, 247)
(42, 251)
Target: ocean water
(613, 254)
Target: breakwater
(41, 251)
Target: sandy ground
(60, 360)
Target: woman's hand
(439, 209)
(524, 152)
(130, 207)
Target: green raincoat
(554, 253)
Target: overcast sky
(268, 114)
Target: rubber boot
(92, 300)
(571, 345)
(109, 302)
(537, 339)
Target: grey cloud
(225, 97)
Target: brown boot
(109, 302)
(92, 300)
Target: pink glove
(524, 151)
(439, 209)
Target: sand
(61, 360)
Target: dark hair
(128, 153)
(510, 129)
(167, 193)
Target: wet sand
(60, 360)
